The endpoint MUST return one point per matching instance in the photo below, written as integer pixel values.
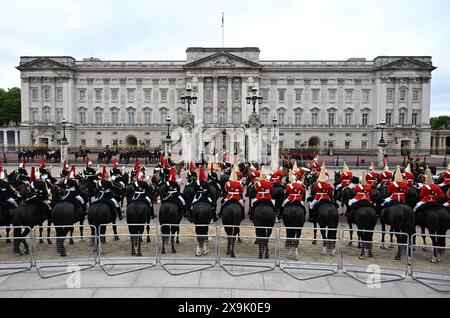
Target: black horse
(278, 195)
(264, 216)
(188, 196)
(402, 220)
(28, 215)
(169, 214)
(364, 215)
(100, 213)
(327, 216)
(5, 220)
(293, 219)
(436, 219)
(201, 216)
(138, 214)
(65, 214)
(231, 219)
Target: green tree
(10, 106)
(440, 122)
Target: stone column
(443, 145)
(275, 159)
(215, 99)
(433, 145)
(381, 152)
(230, 101)
(5, 140)
(16, 140)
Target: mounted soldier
(106, 195)
(191, 175)
(117, 175)
(234, 192)
(22, 174)
(345, 178)
(263, 188)
(295, 191)
(203, 191)
(315, 167)
(46, 174)
(141, 191)
(8, 196)
(65, 170)
(385, 177)
(397, 190)
(408, 176)
(40, 195)
(322, 190)
(430, 192)
(363, 191)
(372, 176)
(171, 191)
(73, 193)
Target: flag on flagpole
(223, 19)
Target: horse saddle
(231, 201)
(361, 204)
(429, 206)
(322, 202)
(263, 202)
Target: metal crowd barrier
(428, 270)
(80, 255)
(188, 258)
(11, 262)
(246, 252)
(381, 261)
(117, 257)
(305, 258)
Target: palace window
(237, 117)
(315, 95)
(401, 118)
(281, 95)
(237, 94)
(416, 94)
(332, 96)
(59, 94)
(349, 96)
(115, 94)
(390, 95)
(388, 118)
(98, 118)
(147, 95)
(34, 116)
(315, 119)
(222, 94)
(34, 94)
(281, 119)
(265, 95)
(131, 95)
(82, 95)
(59, 116)
(403, 93)
(298, 95)
(163, 95)
(208, 117)
(83, 118)
(331, 119)
(47, 94)
(208, 94)
(98, 95)
(46, 116)
(298, 119)
(264, 118)
(366, 96)
(115, 118)
(414, 118)
(147, 118)
(365, 119)
(348, 119)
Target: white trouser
(287, 201)
(13, 202)
(447, 204)
(419, 205)
(387, 200)
(338, 186)
(312, 204)
(352, 201)
(254, 200)
(115, 202)
(80, 198)
(241, 202)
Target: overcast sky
(156, 29)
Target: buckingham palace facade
(333, 106)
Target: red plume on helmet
(22, 164)
(211, 167)
(115, 164)
(166, 164)
(88, 162)
(42, 163)
(192, 167)
(172, 177)
(72, 173)
(33, 174)
(138, 174)
(104, 174)
(136, 165)
(201, 174)
(64, 169)
(2, 173)
(161, 159)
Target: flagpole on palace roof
(223, 29)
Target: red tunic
(363, 192)
(446, 177)
(234, 190)
(263, 187)
(372, 178)
(345, 176)
(295, 192)
(255, 174)
(275, 180)
(397, 191)
(386, 178)
(323, 191)
(409, 178)
(431, 193)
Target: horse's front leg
(8, 241)
(116, 237)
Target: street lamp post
(381, 145)
(168, 137)
(189, 99)
(254, 98)
(64, 142)
(275, 150)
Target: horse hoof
(391, 246)
(324, 252)
(139, 254)
(434, 260)
(205, 253)
(8, 241)
(41, 242)
(71, 242)
(116, 238)
(149, 240)
(228, 253)
(383, 247)
(398, 257)
(314, 243)
(239, 240)
(350, 243)
(63, 254)
(370, 255)
(424, 249)
(361, 257)
(178, 241)
(233, 256)
(267, 256)
(163, 252)
(333, 253)
(174, 251)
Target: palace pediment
(223, 60)
(407, 63)
(43, 63)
